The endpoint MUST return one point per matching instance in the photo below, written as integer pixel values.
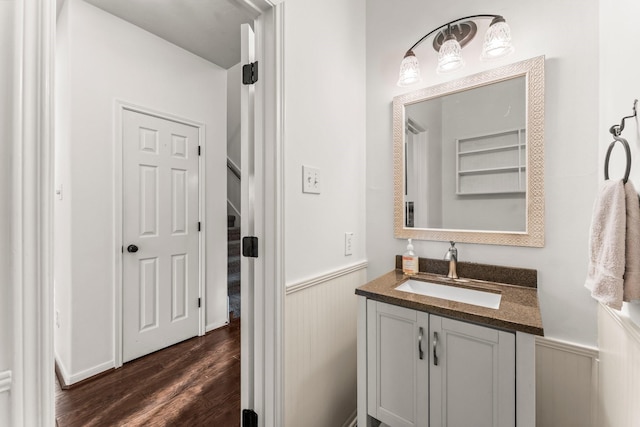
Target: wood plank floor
(194, 383)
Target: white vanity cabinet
(397, 365)
(426, 370)
(472, 375)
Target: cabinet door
(472, 375)
(397, 370)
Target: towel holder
(616, 130)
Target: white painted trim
(211, 326)
(119, 107)
(275, 127)
(525, 380)
(32, 394)
(568, 347)
(88, 373)
(62, 369)
(326, 277)
(352, 421)
(5, 381)
(362, 396)
(629, 326)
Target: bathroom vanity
(434, 351)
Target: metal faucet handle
(452, 252)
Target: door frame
(31, 382)
(118, 214)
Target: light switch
(348, 243)
(310, 180)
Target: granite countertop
(518, 311)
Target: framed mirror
(469, 158)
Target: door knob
(132, 248)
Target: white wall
(111, 60)
(571, 135)
(7, 128)
(619, 86)
(325, 104)
(62, 215)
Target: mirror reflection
(465, 159)
(469, 158)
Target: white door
(160, 295)
(247, 225)
(472, 382)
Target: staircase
(233, 267)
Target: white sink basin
(452, 293)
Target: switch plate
(310, 180)
(348, 243)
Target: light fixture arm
(448, 24)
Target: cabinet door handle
(420, 333)
(435, 346)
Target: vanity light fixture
(449, 40)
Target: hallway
(193, 383)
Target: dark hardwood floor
(194, 383)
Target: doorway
(143, 70)
(34, 374)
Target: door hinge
(199, 226)
(250, 73)
(250, 247)
(199, 302)
(199, 150)
(249, 418)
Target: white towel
(632, 247)
(607, 245)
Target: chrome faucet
(452, 257)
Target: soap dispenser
(409, 261)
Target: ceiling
(207, 28)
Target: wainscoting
(320, 349)
(566, 384)
(619, 342)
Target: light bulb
(409, 70)
(497, 40)
(450, 55)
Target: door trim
(31, 241)
(118, 214)
(33, 296)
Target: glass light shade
(409, 70)
(450, 56)
(497, 41)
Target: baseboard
(62, 373)
(352, 421)
(68, 381)
(64, 385)
(210, 327)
